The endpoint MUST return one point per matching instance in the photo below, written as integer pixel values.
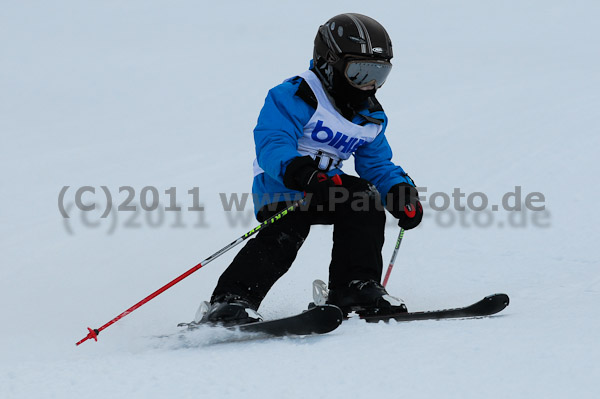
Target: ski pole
(393, 260)
(93, 333)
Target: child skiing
(308, 126)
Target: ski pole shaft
(93, 333)
(393, 260)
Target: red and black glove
(302, 174)
(403, 202)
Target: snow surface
(484, 96)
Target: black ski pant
(358, 236)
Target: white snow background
(484, 96)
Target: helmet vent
(331, 57)
(358, 40)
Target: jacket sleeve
(373, 162)
(280, 125)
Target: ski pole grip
(337, 180)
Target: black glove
(403, 202)
(302, 174)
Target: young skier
(310, 124)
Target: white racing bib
(328, 137)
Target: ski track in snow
(483, 96)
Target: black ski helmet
(346, 37)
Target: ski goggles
(361, 73)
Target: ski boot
(227, 310)
(365, 298)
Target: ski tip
(499, 298)
(332, 309)
(496, 302)
(331, 317)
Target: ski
(488, 306)
(318, 320)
